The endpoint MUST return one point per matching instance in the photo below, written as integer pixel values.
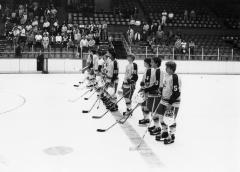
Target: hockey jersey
(131, 73)
(153, 79)
(171, 92)
(112, 71)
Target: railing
(175, 54)
(146, 52)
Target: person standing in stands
(84, 44)
(164, 17)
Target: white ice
(36, 115)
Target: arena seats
(108, 17)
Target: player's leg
(172, 128)
(156, 129)
(113, 99)
(145, 112)
(127, 97)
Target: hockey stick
(98, 117)
(129, 114)
(76, 99)
(87, 111)
(142, 138)
(118, 121)
(99, 101)
(77, 85)
(86, 98)
(104, 130)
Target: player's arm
(109, 74)
(115, 71)
(155, 86)
(134, 76)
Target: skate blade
(100, 130)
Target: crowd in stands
(155, 34)
(32, 27)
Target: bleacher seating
(108, 17)
(204, 18)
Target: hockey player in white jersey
(169, 104)
(129, 83)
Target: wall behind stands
(75, 66)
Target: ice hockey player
(129, 83)
(145, 83)
(170, 102)
(90, 69)
(153, 92)
(112, 80)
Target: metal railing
(176, 54)
(146, 52)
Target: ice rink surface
(41, 130)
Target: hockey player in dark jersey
(129, 83)
(153, 92)
(169, 104)
(145, 83)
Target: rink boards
(75, 66)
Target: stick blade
(101, 130)
(96, 117)
(85, 111)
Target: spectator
(192, 15)
(91, 42)
(137, 37)
(84, 44)
(64, 29)
(178, 45)
(38, 40)
(23, 37)
(144, 36)
(104, 28)
(65, 40)
(45, 41)
(77, 36)
(70, 43)
(145, 27)
(30, 40)
(46, 25)
(58, 39)
(185, 16)
(28, 27)
(159, 36)
(154, 28)
(164, 17)
(191, 47)
(35, 21)
(130, 35)
(184, 46)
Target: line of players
(161, 90)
